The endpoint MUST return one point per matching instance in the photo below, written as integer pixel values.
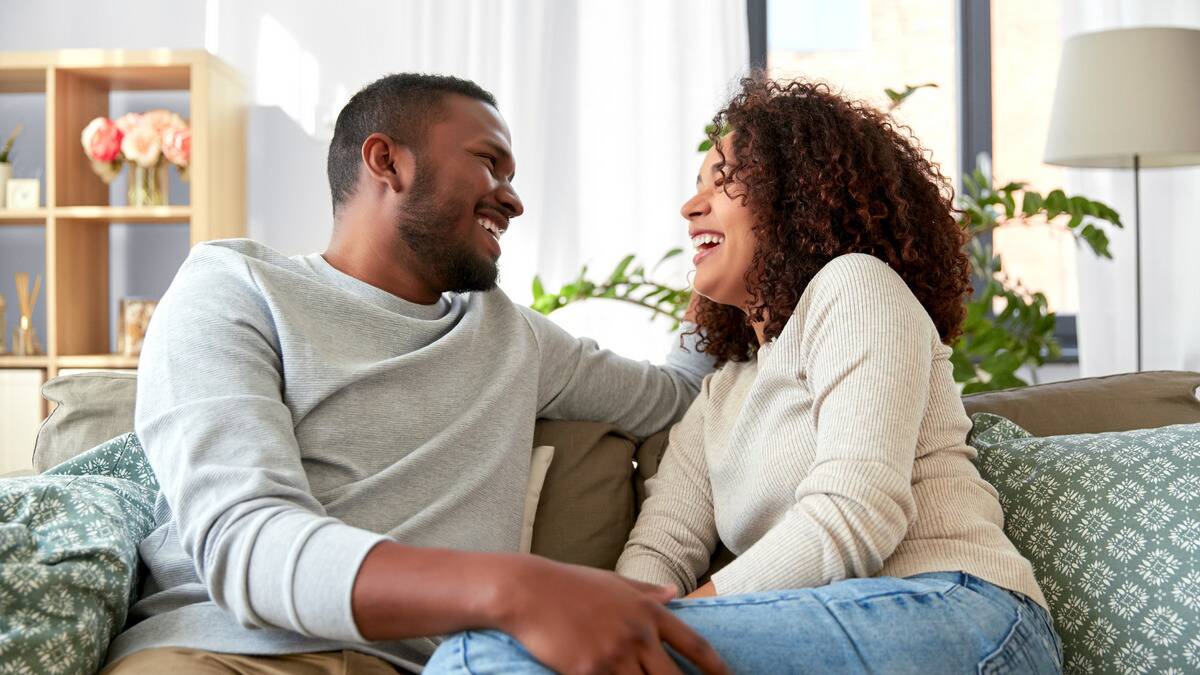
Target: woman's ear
(388, 163)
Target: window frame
(974, 70)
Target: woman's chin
(709, 293)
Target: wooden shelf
(23, 216)
(77, 86)
(97, 361)
(23, 81)
(126, 214)
(9, 361)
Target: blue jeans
(941, 622)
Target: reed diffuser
(25, 341)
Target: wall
(604, 120)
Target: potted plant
(6, 163)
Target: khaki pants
(186, 661)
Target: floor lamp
(1128, 98)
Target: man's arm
(220, 439)
(211, 417)
(580, 381)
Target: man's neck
(370, 252)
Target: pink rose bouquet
(147, 139)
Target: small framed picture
(22, 193)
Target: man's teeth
(707, 238)
(490, 226)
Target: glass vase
(147, 185)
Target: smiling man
(343, 439)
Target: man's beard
(428, 230)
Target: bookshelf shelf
(77, 85)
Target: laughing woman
(829, 452)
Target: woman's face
(721, 230)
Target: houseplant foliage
(1007, 327)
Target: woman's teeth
(700, 240)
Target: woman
(829, 452)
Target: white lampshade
(1120, 93)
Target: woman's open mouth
(705, 243)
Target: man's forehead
(465, 118)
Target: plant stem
(639, 303)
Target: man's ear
(388, 163)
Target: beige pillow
(539, 463)
(586, 508)
(1097, 404)
(91, 408)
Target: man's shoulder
(235, 263)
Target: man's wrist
(405, 591)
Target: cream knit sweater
(839, 452)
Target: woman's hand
(706, 591)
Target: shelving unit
(77, 85)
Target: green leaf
(538, 289)
(667, 256)
(618, 274)
(1032, 203)
(1010, 206)
(705, 146)
(1056, 203)
(964, 370)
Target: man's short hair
(400, 105)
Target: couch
(595, 482)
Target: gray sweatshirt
(296, 416)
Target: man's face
(462, 198)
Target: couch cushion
(91, 408)
(1096, 404)
(68, 561)
(1110, 523)
(586, 508)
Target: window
(1026, 45)
(862, 47)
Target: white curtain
(607, 101)
(1170, 204)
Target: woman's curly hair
(825, 176)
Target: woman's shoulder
(857, 279)
(862, 290)
(856, 271)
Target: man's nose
(511, 202)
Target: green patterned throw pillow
(1111, 525)
(68, 557)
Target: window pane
(1026, 44)
(862, 47)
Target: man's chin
(474, 276)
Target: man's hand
(581, 620)
(573, 619)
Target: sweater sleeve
(865, 350)
(211, 417)
(676, 532)
(580, 381)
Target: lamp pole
(1137, 251)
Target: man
(343, 440)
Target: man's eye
(490, 160)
